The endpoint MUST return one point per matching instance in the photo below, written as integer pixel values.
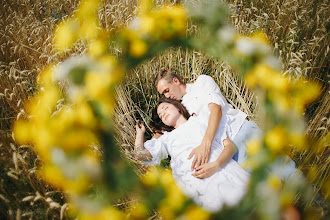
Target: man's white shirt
(205, 91)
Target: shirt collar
(188, 90)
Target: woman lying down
(212, 184)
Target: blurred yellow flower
(87, 9)
(261, 75)
(76, 139)
(88, 28)
(297, 140)
(174, 193)
(196, 213)
(145, 6)
(286, 198)
(304, 93)
(166, 212)
(54, 175)
(137, 210)
(276, 139)
(97, 48)
(260, 37)
(151, 178)
(281, 100)
(65, 34)
(147, 25)
(166, 178)
(106, 213)
(253, 146)
(138, 48)
(22, 132)
(274, 182)
(84, 115)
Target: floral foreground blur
(67, 138)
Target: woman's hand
(140, 128)
(206, 170)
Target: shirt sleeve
(210, 89)
(157, 149)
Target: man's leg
(248, 130)
(283, 166)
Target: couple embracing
(205, 138)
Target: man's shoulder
(203, 80)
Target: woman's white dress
(227, 186)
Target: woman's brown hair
(156, 123)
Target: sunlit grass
(299, 38)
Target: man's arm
(202, 152)
(208, 169)
(141, 153)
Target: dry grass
(297, 29)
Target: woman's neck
(180, 121)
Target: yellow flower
(138, 211)
(22, 132)
(261, 75)
(298, 140)
(145, 6)
(286, 198)
(97, 48)
(87, 9)
(166, 178)
(253, 146)
(304, 93)
(166, 212)
(43, 140)
(250, 164)
(54, 175)
(138, 48)
(174, 193)
(45, 78)
(274, 182)
(84, 115)
(150, 179)
(147, 25)
(65, 35)
(280, 100)
(280, 83)
(106, 213)
(76, 139)
(276, 139)
(196, 213)
(88, 28)
(260, 36)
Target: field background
(298, 31)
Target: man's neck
(183, 88)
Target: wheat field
(298, 31)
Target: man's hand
(202, 154)
(206, 170)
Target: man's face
(170, 90)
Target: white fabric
(226, 186)
(205, 91)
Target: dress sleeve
(157, 149)
(211, 90)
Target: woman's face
(168, 113)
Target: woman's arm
(141, 153)
(208, 169)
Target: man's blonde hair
(167, 75)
